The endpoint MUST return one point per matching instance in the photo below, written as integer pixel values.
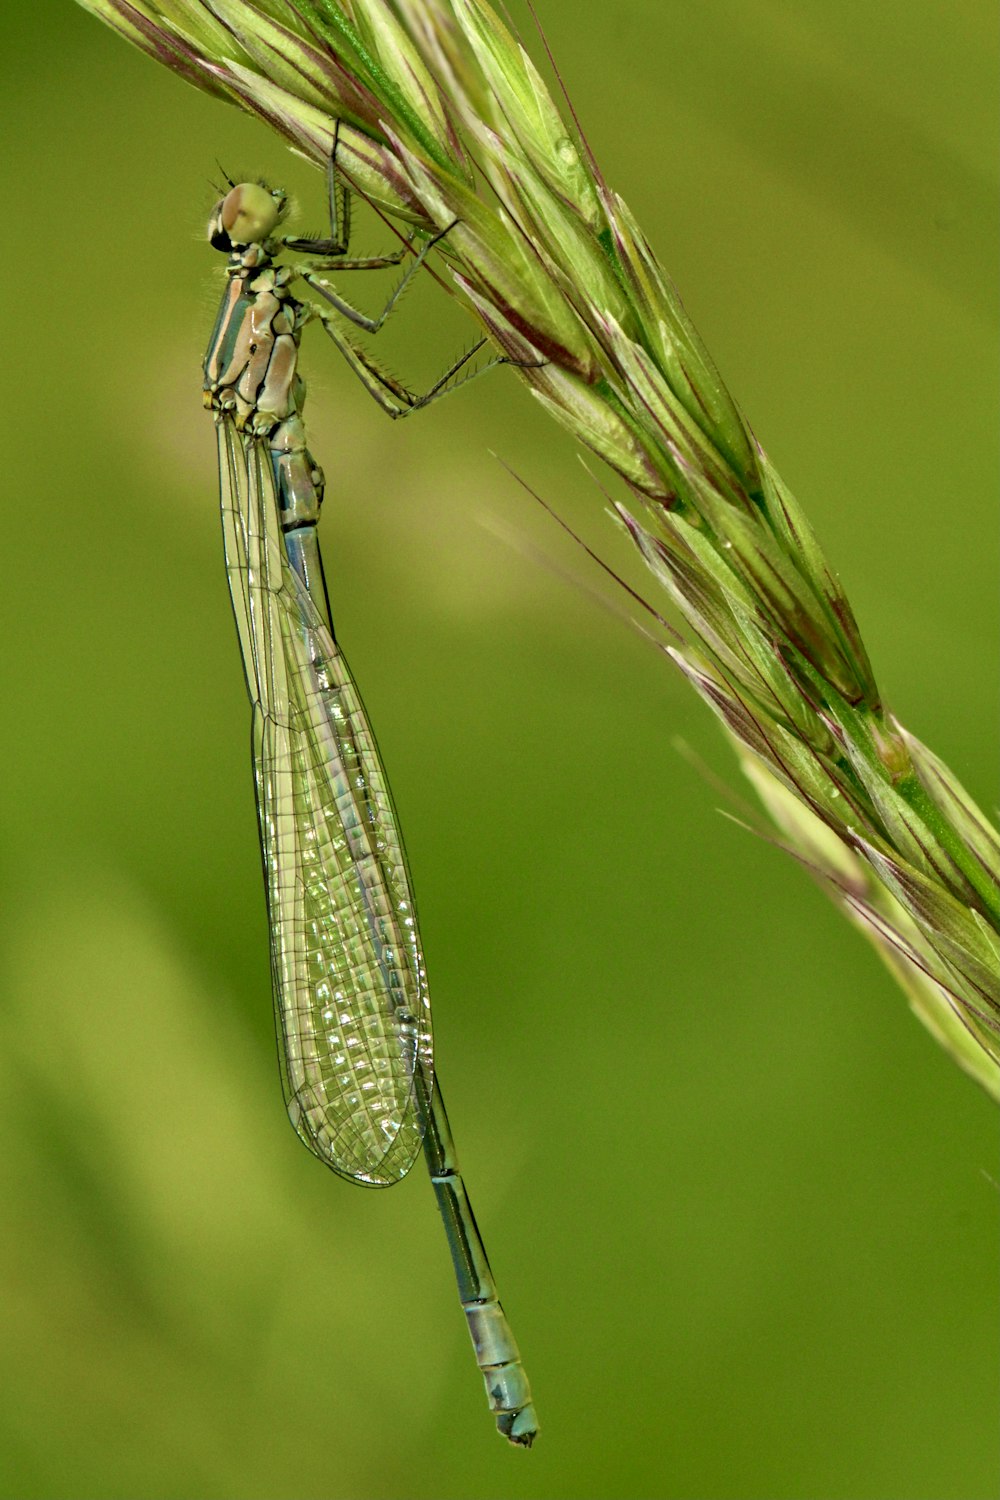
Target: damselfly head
(247, 215)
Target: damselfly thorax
(252, 375)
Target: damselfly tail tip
(519, 1427)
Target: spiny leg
(338, 202)
(331, 253)
(396, 399)
(360, 319)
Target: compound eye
(245, 216)
(218, 238)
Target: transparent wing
(351, 1003)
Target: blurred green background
(741, 1208)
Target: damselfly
(351, 1001)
